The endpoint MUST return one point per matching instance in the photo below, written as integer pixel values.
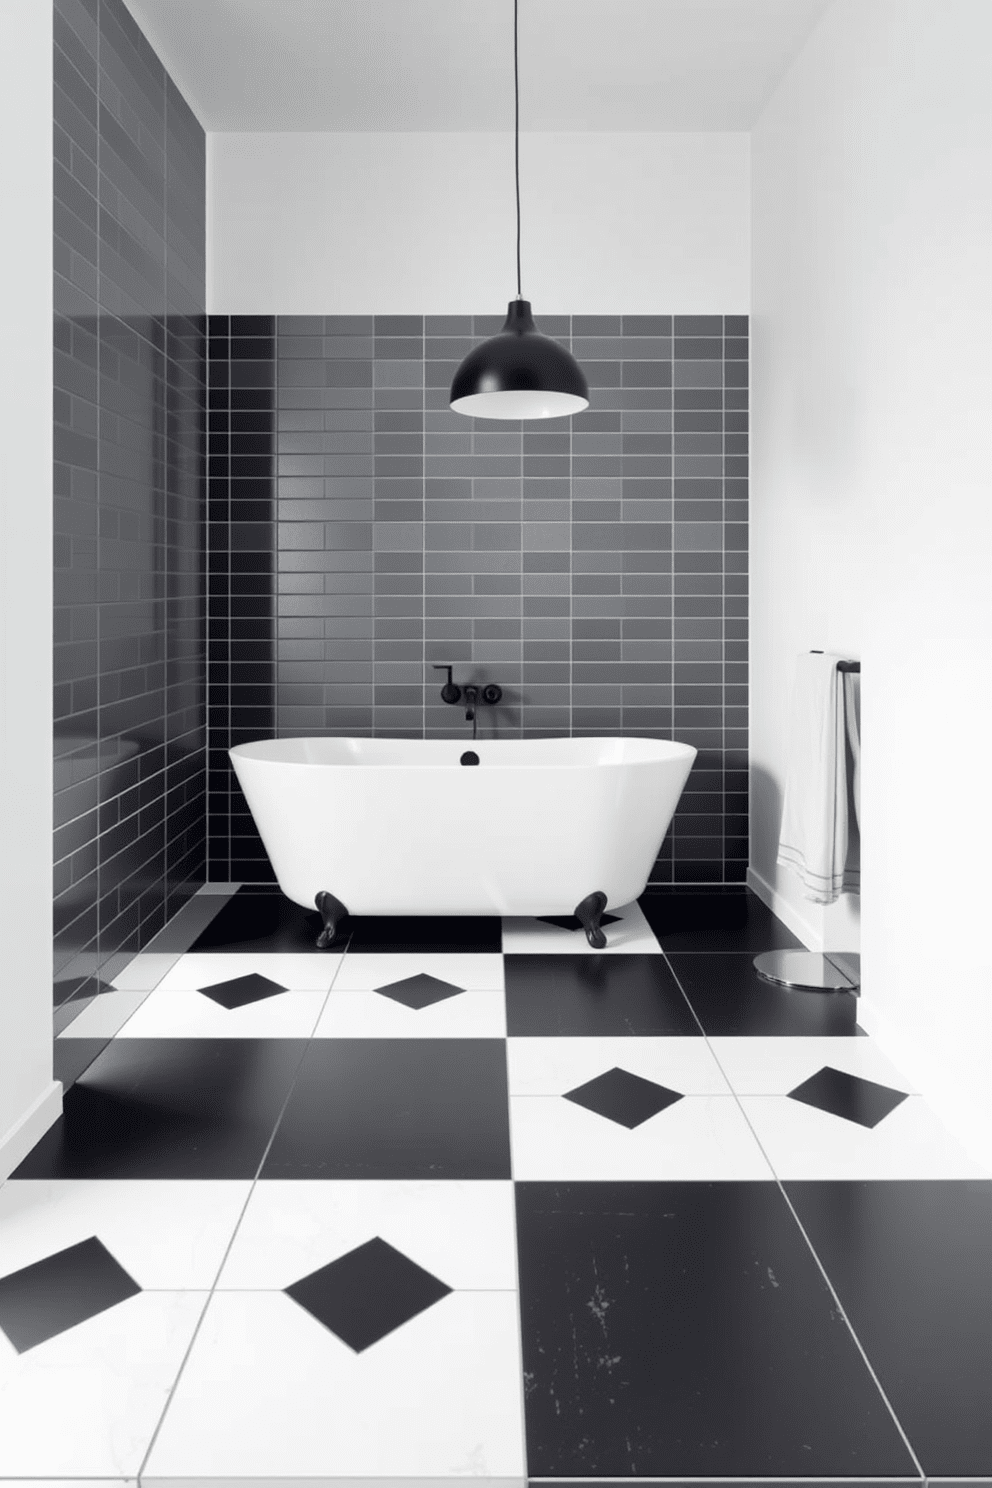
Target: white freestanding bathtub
(402, 827)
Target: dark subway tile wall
(596, 568)
(130, 663)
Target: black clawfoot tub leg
(589, 913)
(333, 912)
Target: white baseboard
(811, 937)
(32, 1126)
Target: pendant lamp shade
(519, 374)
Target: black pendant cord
(516, 135)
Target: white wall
(872, 497)
(29, 1099)
(425, 223)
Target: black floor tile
(912, 1266)
(685, 1329)
(720, 920)
(254, 921)
(396, 1108)
(415, 934)
(620, 1096)
(239, 992)
(419, 992)
(169, 1108)
(59, 1291)
(848, 1096)
(371, 1291)
(729, 998)
(589, 995)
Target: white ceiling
(447, 65)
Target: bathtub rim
(672, 751)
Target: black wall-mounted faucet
(450, 692)
(473, 695)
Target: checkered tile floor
(463, 1199)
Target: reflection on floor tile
(594, 996)
(258, 921)
(438, 1399)
(729, 998)
(684, 1329)
(409, 934)
(169, 1108)
(105, 1016)
(715, 920)
(628, 932)
(804, 1142)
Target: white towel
(820, 837)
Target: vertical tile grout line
(724, 589)
(780, 1184)
(513, 1204)
(571, 555)
(212, 1289)
(423, 540)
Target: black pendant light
(519, 374)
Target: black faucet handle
(450, 692)
(492, 693)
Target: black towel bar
(842, 666)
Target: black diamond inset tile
(52, 1295)
(849, 1096)
(570, 922)
(622, 1097)
(240, 991)
(367, 1293)
(420, 991)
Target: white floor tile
(180, 1013)
(632, 934)
(145, 971)
(551, 1066)
(774, 1066)
(479, 1012)
(702, 1137)
(296, 970)
(803, 1142)
(363, 970)
(227, 889)
(268, 1391)
(86, 1403)
(167, 1234)
(463, 1233)
(105, 1015)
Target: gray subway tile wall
(361, 532)
(130, 659)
